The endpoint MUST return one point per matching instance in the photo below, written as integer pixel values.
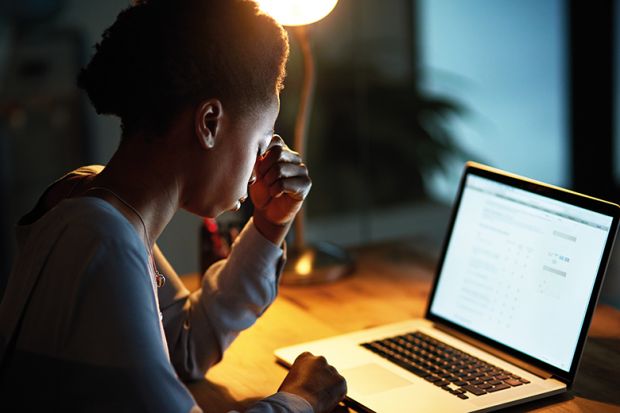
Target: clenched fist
(282, 184)
(312, 378)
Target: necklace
(160, 280)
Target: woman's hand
(282, 184)
(316, 381)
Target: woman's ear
(207, 121)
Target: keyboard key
(418, 371)
(462, 396)
(432, 378)
(498, 387)
(474, 390)
(513, 382)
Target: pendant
(160, 280)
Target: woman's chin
(217, 210)
(204, 211)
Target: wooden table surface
(389, 284)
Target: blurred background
(407, 91)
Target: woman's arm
(199, 326)
(236, 291)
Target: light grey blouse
(92, 334)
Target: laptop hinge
(498, 353)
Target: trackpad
(372, 378)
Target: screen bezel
(553, 192)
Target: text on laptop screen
(519, 269)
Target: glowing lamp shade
(297, 12)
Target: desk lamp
(306, 264)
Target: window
(505, 61)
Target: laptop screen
(520, 268)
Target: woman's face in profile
(241, 143)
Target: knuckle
(276, 174)
(277, 151)
(270, 158)
(276, 170)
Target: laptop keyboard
(453, 370)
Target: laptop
(517, 282)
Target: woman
(87, 322)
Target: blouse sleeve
(233, 294)
(120, 339)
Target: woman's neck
(139, 175)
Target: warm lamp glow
(304, 264)
(297, 12)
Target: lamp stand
(322, 262)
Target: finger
(277, 154)
(274, 155)
(276, 140)
(297, 188)
(344, 387)
(303, 355)
(284, 170)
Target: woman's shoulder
(91, 213)
(83, 222)
(89, 241)
(63, 188)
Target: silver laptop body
(507, 318)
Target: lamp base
(316, 264)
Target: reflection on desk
(391, 283)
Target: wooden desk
(390, 284)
